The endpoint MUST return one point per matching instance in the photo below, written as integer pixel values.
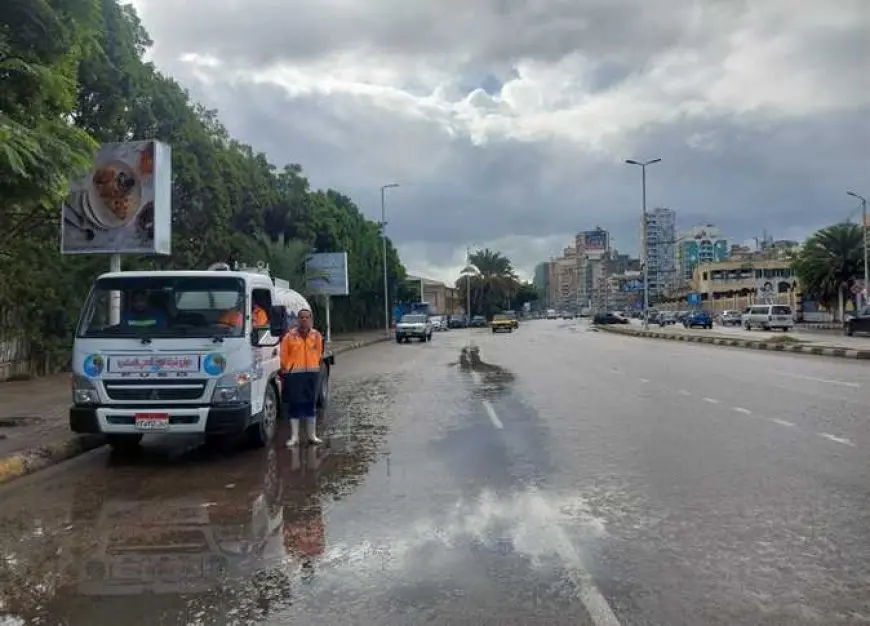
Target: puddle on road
(492, 376)
(204, 537)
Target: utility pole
(384, 246)
(644, 244)
(864, 231)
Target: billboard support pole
(115, 296)
(328, 306)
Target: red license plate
(151, 421)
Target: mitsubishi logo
(154, 395)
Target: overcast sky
(507, 122)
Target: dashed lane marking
(644, 380)
(841, 383)
(711, 400)
(684, 392)
(781, 422)
(836, 439)
(493, 416)
(740, 409)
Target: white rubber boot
(294, 433)
(312, 431)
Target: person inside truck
(234, 319)
(141, 314)
(258, 313)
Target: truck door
(266, 354)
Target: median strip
(777, 344)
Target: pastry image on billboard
(122, 205)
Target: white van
(768, 317)
(184, 373)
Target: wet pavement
(553, 476)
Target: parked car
(414, 326)
(730, 317)
(478, 321)
(859, 323)
(698, 318)
(439, 322)
(457, 321)
(666, 318)
(768, 317)
(609, 318)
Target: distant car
(512, 315)
(698, 318)
(859, 323)
(609, 318)
(502, 323)
(666, 318)
(414, 326)
(478, 321)
(457, 321)
(731, 318)
(439, 322)
(768, 317)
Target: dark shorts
(299, 395)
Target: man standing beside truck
(301, 357)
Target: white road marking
(644, 380)
(493, 416)
(776, 420)
(842, 383)
(836, 439)
(683, 392)
(478, 380)
(711, 400)
(740, 409)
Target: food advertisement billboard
(123, 205)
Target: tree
(830, 261)
(494, 286)
(74, 76)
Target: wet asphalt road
(571, 477)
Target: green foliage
(494, 284)
(74, 77)
(830, 261)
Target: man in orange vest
(301, 356)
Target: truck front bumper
(205, 420)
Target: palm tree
(493, 283)
(830, 261)
(286, 259)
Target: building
(626, 289)
(564, 291)
(593, 243)
(593, 251)
(541, 282)
(661, 239)
(444, 299)
(701, 244)
(735, 284)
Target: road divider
(784, 343)
(24, 462)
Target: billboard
(595, 240)
(327, 274)
(123, 205)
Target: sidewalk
(34, 414)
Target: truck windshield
(166, 306)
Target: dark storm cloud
(776, 132)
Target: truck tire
(124, 443)
(323, 392)
(261, 432)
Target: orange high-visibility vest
(301, 354)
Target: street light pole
(863, 200)
(645, 244)
(384, 249)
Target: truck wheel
(323, 395)
(262, 431)
(124, 443)
(398, 340)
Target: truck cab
(182, 352)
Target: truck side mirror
(278, 321)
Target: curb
(21, 464)
(749, 344)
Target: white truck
(162, 360)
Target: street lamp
(468, 271)
(384, 244)
(645, 246)
(864, 231)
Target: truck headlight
(84, 391)
(233, 389)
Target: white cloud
(507, 122)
